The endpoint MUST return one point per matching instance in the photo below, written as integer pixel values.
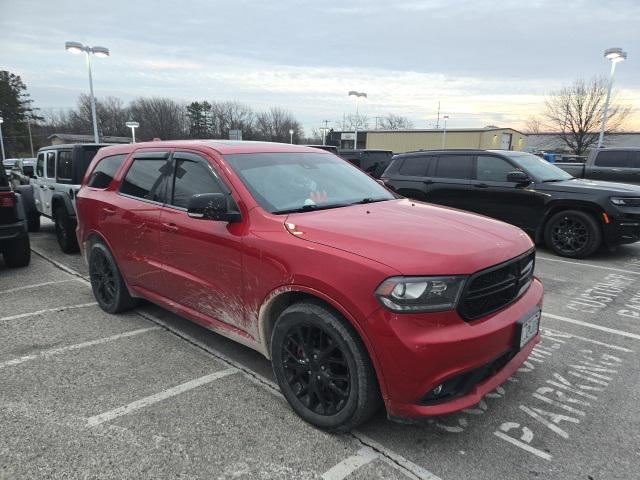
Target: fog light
(437, 390)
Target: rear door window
(619, 158)
(415, 166)
(105, 171)
(193, 175)
(51, 164)
(455, 166)
(64, 172)
(634, 159)
(492, 169)
(145, 179)
(40, 165)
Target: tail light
(8, 200)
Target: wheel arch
(59, 199)
(280, 298)
(590, 208)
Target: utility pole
(324, 132)
(30, 137)
(438, 120)
(377, 121)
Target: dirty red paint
(225, 275)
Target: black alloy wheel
(107, 284)
(66, 231)
(323, 367)
(316, 369)
(103, 278)
(573, 234)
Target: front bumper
(417, 352)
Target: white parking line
(35, 285)
(47, 310)
(157, 397)
(77, 346)
(584, 339)
(350, 464)
(622, 333)
(591, 265)
(397, 461)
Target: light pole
(77, 47)
(133, 126)
(291, 135)
(615, 55)
(444, 132)
(1, 141)
(353, 93)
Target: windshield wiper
(370, 200)
(309, 208)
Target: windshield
(538, 168)
(289, 182)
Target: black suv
(574, 217)
(373, 162)
(14, 239)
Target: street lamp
(291, 135)
(77, 47)
(133, 126)
(444, 133)
(615, 55)
(1, 141)
(353, 93)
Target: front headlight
(420, 294)
(626, 201)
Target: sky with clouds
(486, 62)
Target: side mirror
(518, 177)
(212, 206)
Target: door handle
(481, 185)
(170, 227)
(52, 188)
(427, 182)
(43, 187)
(108, 211)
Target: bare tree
(159, 118)
(231, 116)
(274, 125)
(532, 125)
(392, 121)
(576, 112)
(360, 120)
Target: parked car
(14, 239)
(58, 174)
(612, 164)
(354, 294)
(22, 172)
(573, 217)
(327, 148)
(373, 162)
(8, 164)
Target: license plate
(529, 328)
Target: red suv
(356, 295)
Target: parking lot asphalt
(147, 394)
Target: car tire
(31, 211)
(573, 234)
(33, 222)
(323, 368)
(107, 284)
(17, 251)
(66, 231)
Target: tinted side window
(415, 166)
(51, 164)
(634, 159)
(145, 179)
(612, 159)
(64, 165)
(105, 171)
(492, 169)
(192, 177)
(455, 166)
(40, 165)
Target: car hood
(414, 238)
(580, 185)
